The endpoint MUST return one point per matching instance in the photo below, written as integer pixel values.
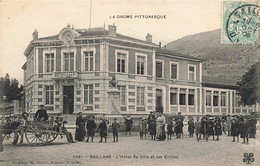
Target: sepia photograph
(129, 83)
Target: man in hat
(41, 114)
(91, 126)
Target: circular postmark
(242, 24)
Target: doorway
(159, 100)
(68, 99)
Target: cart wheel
(53, 136)
(37, 134)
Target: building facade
(70, 73)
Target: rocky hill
(220, 60)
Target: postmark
(240, 22)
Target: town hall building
(70, 73)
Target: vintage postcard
(127, 82)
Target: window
(208, 98)
(88, 94)
(174, 70)
(159, 69)
(69, 61)
(215, 99)
(121, 62)
(122, 95)
(192, 72)
(191, 97)
(182, 97)
(49, 92)
(223, 99)
(140, 96)
(49, 62)
(89, 61)
(140, 64)
(173, 96)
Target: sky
(19, 18)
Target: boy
(143, 128)
(218, 131)
(235, 129)
(169, 130)
(115, 128)
(103, 130)
(91, 126)
(197, 128)
(191, 127)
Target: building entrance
(68, 99)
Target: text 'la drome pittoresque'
(138, 16)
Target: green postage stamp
(240, 22)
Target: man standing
(41, 114)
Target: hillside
(221, 60)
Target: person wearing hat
(204, 126)
(41, 114)
(244, 130)
(80, 128)
(234, 129)
(115, 130)
(252, 123)
(178, 127)
(103, 130)
(198, 128)
(128, 125)
(228, 125)
(169, 130)
(151, 119)
(143, 128)
(218, 131)
(210, 128)
(160, 131)
(91, 126)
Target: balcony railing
(65, 75)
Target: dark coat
(191, 127)
(128, 124)
(41, 113)
(210, 128)
(152, 128)
(115, 128)
(103, 129)
(234, 129)
(204, 126)
(91, 126)
(218, 130)
(169, 128)
(244, 129)
(178, 127)
(80, 130)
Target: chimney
(35, 34)
(112, 30)
(149, 38)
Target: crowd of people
(159, 127)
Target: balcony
(65, 75)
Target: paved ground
(133, 151)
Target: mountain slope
(221, 60)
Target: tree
(10, 89)
(249, 86)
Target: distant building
(70, 73)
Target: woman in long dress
(160, 133)
(80, 128)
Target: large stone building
(70, 73)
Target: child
(91, 126)
(210, 128)
(178, 128)
(169, 130)
(115, 128)
(191, 127)
(103, 130)
(245, 130)
(143, 128)
(152, 129)
(218, 131)
(228, 125)
(197, 128)
(235, 129)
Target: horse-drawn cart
(36, 132)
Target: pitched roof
(219, 82)
(169, 52)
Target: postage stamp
(240, 22)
